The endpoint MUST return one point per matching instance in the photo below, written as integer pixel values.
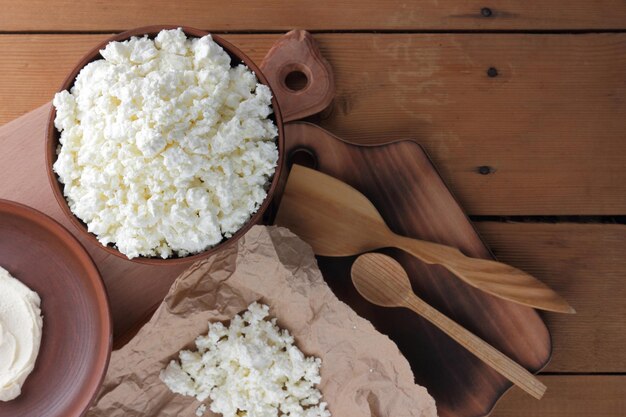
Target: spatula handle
(493, 277)
(483, 350)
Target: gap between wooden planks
(549, 126)
(586, 264)
(241, 15)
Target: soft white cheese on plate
(20, 334)
(249, 368)
(165, 148)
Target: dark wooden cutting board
(405, 187)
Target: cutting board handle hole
(302, 156)
(296, 80)
(295, 77)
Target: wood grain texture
(381, 280)
(586, 264)
(402, 184)
(37, 65)
(338, 220)
(569, 396)
(43, 15)
(548, 126)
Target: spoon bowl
(381, 280)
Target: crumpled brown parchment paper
(363, 372)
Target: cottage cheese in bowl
(165, 148)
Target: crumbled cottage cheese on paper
(250, 368)
(165, 148)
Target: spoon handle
(483, 350)
(495, 278)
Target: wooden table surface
(535, 154)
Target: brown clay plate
(76, 340)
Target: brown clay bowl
(76, 339)
(52, 142)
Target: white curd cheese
(20, 334)
(249, 369)
(165, 148)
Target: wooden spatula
(337, 220)
(384, 282)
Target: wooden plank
(45, 15)
(35, 66)
(557, 98)
(569, 396)
(549, 126)
(586, 264)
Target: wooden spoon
(337, 220)
(384, 282)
